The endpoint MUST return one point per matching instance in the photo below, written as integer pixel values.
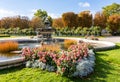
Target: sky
(54, 8)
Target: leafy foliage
(85, 19)
(58, 23)
(79, 31)
(64, 62)
(36, 22)
(41, 13)
(114, 22)
(111, 9)
(100, 20)
(69, 19)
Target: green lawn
(107, 69)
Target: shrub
(4, 35)
(76, 61)
(8, 46)
(42, 59)
(54, 48)
(30, 54)
(68, 43)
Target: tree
(58, 23)
(85, 19)
(36, 22)
(0, 24)
(6, 22)
(114, 22)
(42, 14)
(111, 9)
(25, 22)
(69, 19)
(50, 20)
(16, 21)
(100, 20)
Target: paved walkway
(115, 39)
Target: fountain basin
(16, 61)
(12, 62)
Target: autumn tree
(6, 22)
(114, 22)
(111, 9)
(85, 19)
(58, 23)
(16, 21)
(0, 24)
(25, 22)
(36, 22)
(20, 21)
(100, 20)
(69, 19)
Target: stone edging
(108, 45)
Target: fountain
(45, 34)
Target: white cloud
(6, 13)
(30, 14)
(84, 4)
(33, 10)
(53, 15)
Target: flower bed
(78, 60)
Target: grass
(107, 69)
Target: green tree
(42, 14)
(50, 20)
(111, 9)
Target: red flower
(63, 69)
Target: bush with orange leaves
(68, 43)
(54, 48)
(8, 46)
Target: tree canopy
(85, 19)
(42, 14)
(114, 22)
(111, 9)
(69, 19)
(100, 20)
